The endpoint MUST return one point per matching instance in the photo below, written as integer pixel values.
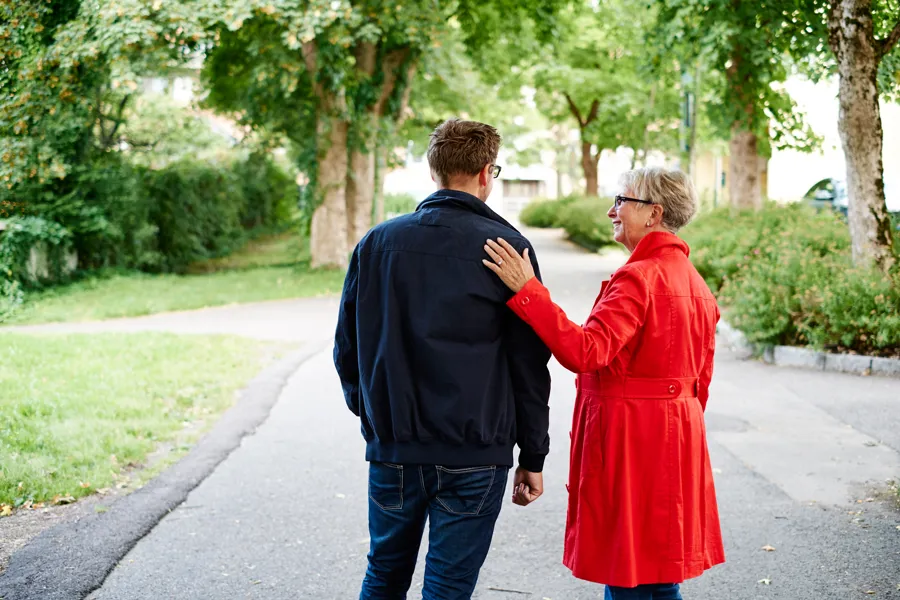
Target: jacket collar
(462, 201)
(656, 242)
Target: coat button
(672, 389)
(526, 300)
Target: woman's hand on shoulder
(514, 270)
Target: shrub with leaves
(725, 241)
(544, 213)
(785, 276)
(586, 223)
(584, 219)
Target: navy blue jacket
(433, 362)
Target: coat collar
(656, 242)
(462, 201)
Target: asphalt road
(796, 456)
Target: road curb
(806, 358)
(69, 561)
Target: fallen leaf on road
(340, 496)
(5, 510)
(766, 581)
(870, 592)
(768, 548)
(84, 485)
(59, 499)
(870, 444)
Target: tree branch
(310, 59)
(888, 43)
(595, 108)
(390, 66)
(404, 99)
(574, 108)
(366, 53)
(118, 120)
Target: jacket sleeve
(611, 325)
(346, 359)
(528, 358)
(706, 372)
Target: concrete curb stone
(790, 356)
(71, 560)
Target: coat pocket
(593, 448)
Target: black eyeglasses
(495, 170)
(620, 200)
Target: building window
(522, 188)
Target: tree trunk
(589, 163)
(380, 168)
(743, 171)
(692, 156)
(360, 194)
(852, 38)
(329, 235)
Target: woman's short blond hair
(671, 189)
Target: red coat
(642, 504)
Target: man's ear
(484, 175)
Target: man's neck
(472, 190)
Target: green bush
(785, 276)
(269, 194)
(24, 233)
(201, 210)
(399, 204)
(584, 219)
(724, 241)
(586, 223)
(543, 213)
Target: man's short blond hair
(671, 189)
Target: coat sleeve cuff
(531, 462)
(521, 302)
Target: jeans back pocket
(464, 491)
(386, 485)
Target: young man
(444, 377)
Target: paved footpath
(284, 517)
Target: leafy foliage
(785, 276)
(600, 68)
(742, 47)
(545, 213)
(584, 219)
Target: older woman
(642, 512)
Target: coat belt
(649, 388)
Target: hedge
(785, 276)
(124, 216)
(583, 219)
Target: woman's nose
(611, 213)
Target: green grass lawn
(272, 268)
(79, 412)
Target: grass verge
(78, 413)
(272, 268)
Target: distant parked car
(828, 193)
(832, 193)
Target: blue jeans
(461, 506)
(654, 591)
